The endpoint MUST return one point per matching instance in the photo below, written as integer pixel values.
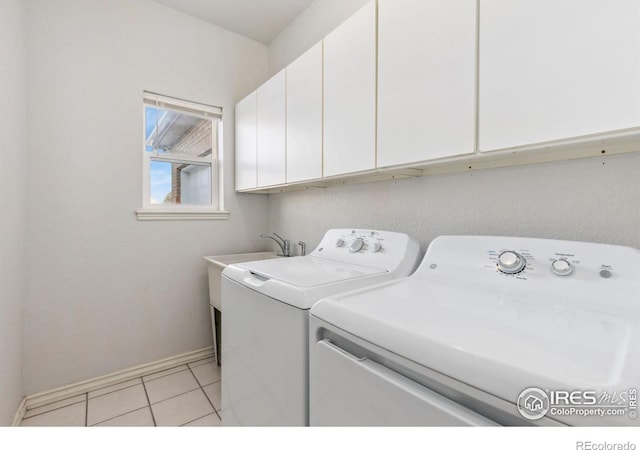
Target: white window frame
(215, 211)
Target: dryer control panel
(542, 269)
(386, 250)
(553, 259)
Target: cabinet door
(304, 116)
(554, 69)
(271, 131)
(426, 79)
(246, 144)
(350, 94)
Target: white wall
(593, 199)
(106, 292)
(12, 204)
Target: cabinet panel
(271, 131)
(426, 79)
(246, 143)
(304, 116)
(552, 70)
(350, 94)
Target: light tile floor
(187, 395)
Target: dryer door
(350, 391)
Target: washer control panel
(373, 248)
(361, 241)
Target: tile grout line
(205, 394)
(174, 396)
(114, 391)
(164, 376)
(86, 395)
(153, 417)
(206, 415)
(106, 387)
(175, 367)
(120, 415)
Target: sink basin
(216, 265)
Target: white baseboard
(54, 395)
(22, 410)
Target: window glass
(180, 183)
(182, 164)
(177, 133)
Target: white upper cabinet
(554, 69)
(304, 116)
(350, 94)
(246, 143)
(271, 131)
(426, 79)
(404, 83)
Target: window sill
(180, 214)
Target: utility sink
(215, 266)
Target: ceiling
(260, 20)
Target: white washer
(265, 326)
(480, 322)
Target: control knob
(356, 245)
(339, 243)
(377, 246)
(511, 262)
(561, 267)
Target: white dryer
(487, 331)
(265, 326)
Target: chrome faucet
(303, 248)
(282, 243)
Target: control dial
(511, 262)
(561, 267)
(339, 243)
(356, 245)
(377, 246)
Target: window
(182, 160)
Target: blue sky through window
(160, 173)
